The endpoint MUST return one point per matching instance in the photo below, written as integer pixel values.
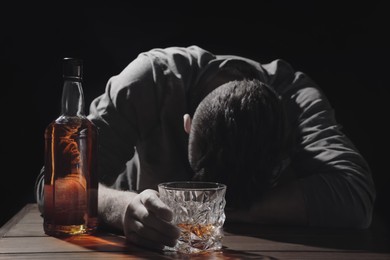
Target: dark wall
(342, 47)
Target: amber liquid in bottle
(71, 184)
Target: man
(265, 130)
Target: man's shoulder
(278, 66)
(280, 75)
(192, 52)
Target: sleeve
(338, 186)
(128, 98)
(135, 102)
(38, 189)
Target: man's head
(237, 137)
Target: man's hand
(147, 222)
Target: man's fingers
(154, 204)
(148, 215)
(156, 215)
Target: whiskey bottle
(70, 180)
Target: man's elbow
(360, 221)
(358, 215)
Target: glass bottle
(71, 180)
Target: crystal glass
(199, 211)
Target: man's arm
(283, 204)
(333, 185)
(112, 205)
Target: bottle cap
(72, 68)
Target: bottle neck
(72, 98)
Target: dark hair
(237, 138)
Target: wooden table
(23, 238)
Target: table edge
(15, 219)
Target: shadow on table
(225, 254)
(373, 239)
(99, 242)
(113, 244)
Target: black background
(341, 46)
